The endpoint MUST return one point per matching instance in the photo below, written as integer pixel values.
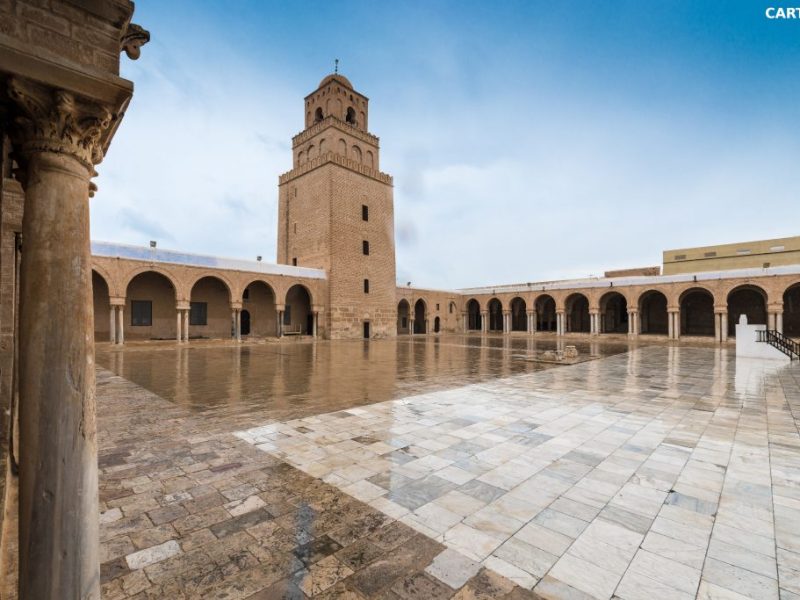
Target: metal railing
(777, 340)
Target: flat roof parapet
(145, 254)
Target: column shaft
(178, 319)
(112, 323)
(779, 322)
(120, 324)
(186, 325)
(58, 500)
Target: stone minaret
(336, 212)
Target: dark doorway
(473, 315)
(244, 322)
(436, 324)
(366, 330)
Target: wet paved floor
(448, 470)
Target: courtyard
(455, 466)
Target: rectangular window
(680, 257)
(294, 262)
(743, 252)
(198, 313)
(777, 249)
(364, 212)
(366, 330)
(141, 313)
(437, 307)
(365, 247)
(709, 254)
(366, 286)
(287, 315)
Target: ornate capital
(52, 120)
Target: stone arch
(356, 153)
(363, 119)
(473, 315)
(297, 315)
(403, 317)
(420, 315)
(495, 310)
(747, 299)
(301, 157)
(545, 306)
(323, 147)
(613, 313)
(653, 314)
(370, 160)
(697, 312)
(310, 152)
(150, 305)
(342, 147)
(519, 314)
(259, 299)
(101, 303)
(791, 310)
(210, 307)
(577, 313)
(218, 276)
(318, 116)
(181, 292)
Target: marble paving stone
(666, 472)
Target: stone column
(675, 324)
(465, 322)
(178, 320)
(772, 318)
(410, 326)
(779, 321)
(112, 322)
(723, 318)
(670, 325)
(314, 320)
(186, 325)
(484, 321)
(560, 324)
(121, 324)
(56, 141)
(531, 321)
(633, 330)
(238, 324)
(506, 321)
(280, 322)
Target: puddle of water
(297, 379)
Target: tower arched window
(351, 115)
(318, 115)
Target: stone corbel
(133, 39)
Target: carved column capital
(57, 121)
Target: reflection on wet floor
(664, 472)
(296, 379)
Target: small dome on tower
(338, 77)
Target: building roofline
(610, 282)
(159, 255)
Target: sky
(528, 141)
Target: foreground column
(186, 325)
(779, 322)
(56, 140)
(178, 320)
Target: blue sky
(528, 140)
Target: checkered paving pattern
(662, 473)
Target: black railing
(777, 340)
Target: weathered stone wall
(64, 30)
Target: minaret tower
(336, 212)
